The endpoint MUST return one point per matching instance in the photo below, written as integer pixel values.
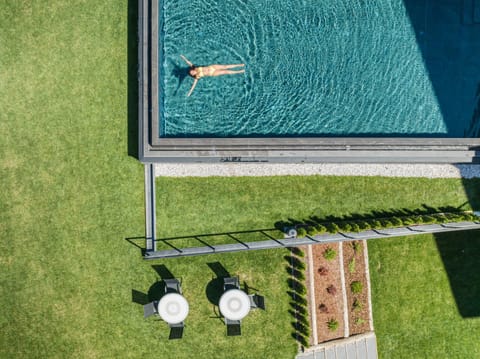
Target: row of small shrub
(382, 223)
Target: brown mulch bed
(328, 306)
(359, 316)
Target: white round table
(234, 304)
(173, 308)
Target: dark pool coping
(153, 149)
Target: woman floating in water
(197, 72)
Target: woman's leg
(226, 67)
(228, 72)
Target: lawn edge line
(313, 306)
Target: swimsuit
(210, 70)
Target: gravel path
(268, 169)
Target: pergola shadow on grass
(315, 229)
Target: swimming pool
(343, 75)
(320, 68)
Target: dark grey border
(308, 240)
(277, 150)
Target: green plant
(332, 227)
(357, 305)
(428, 219)
(351, 265)
(418, 220)
(469, 217)
(364, 225)
(329, 254)
(311, 230)
(320, 228)
(332, 324)
(355, 228)
(357, 247)
(356, 287)
(376, 224)
(359, 321)
(386, 223)
(301, 232)
(397, 222)
(345, 227)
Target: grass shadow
(139, 297)
(163, 271)
(219, 270)
(132, 78)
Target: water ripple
(344, 67)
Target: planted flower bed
(328, 292)
(356, 287)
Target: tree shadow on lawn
(460, 253)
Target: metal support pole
(150, 222)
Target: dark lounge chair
(172, 286)
(231, 283)
(233, 327)
(150, 309)
(257, 301)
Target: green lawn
(71, 194)
(426, 294)
(246, 203)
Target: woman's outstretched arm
(185, 59)
(193, 86)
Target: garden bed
(357, 293)
(328, 292)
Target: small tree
(332, 324)
(329, 254)
(301, 232)
(356, 287)
(331, 289)
(323, 271)
(323, 308)
(357, 305)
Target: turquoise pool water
(321, 68)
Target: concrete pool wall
(153, 149)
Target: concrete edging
(313, 305)
(344, 293)
(369, 294)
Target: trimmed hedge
(381, 223)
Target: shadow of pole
(132, 78)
